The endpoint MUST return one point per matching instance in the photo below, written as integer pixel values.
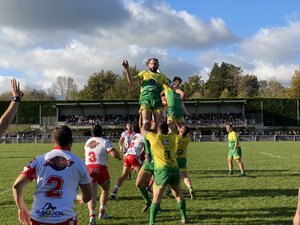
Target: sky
(42, 40)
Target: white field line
(275, 156)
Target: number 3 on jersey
(92, 156)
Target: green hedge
(275, 111)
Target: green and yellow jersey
(232, 139)
(163, 149)
(173, 99)
(152, 82)
(181, 146)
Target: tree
(225, 94)
(223, 77)
(122, 90)
(248, 86)
(99, 85)
(274, 89)
(65, 87)
(194, 87)
(33, 94)
(294, 91)
(262, 87)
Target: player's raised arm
(10, 113)
(130, 79)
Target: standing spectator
(96, 150)
(58, 174)
(10, 112)
(235, 151)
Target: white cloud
(274, 45)
(280, 72)
(44, 41)
(271, 53)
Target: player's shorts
(236, 155)
(72, 221)
(166, 176)
(148, 167)
(181, 163)
(132, 161)
(99, 174)
(151, 102)
(175, 113)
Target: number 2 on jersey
(57, 184)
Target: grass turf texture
(267, 195)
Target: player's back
(136, 144)
(96, 149)
(163, 149)
(58, 174)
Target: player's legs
(238, 157)
(146, 117)
(155, 206)
(230, 166)
(241, 166)
(141, 183)
(188, 183)
(157, 194)
(92, 204)
(103, 200)
(121, 179)
(157, 116)
(180, 201)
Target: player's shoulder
(124, 133)
(93, 139)
(142, 73)
(138, 136)
(149, 134)
(96, 140)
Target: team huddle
(155, 148)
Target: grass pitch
(267, 195)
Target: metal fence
(198, 138)
(223, 138)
